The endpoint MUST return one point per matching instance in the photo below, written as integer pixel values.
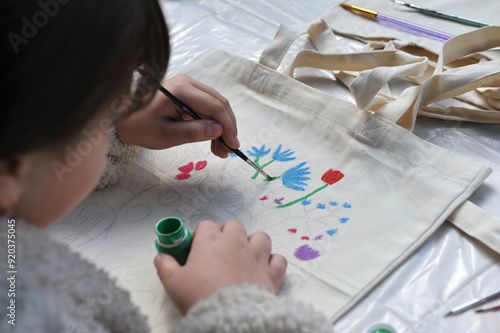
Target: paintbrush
(475, 302)
(443, 15)
(402, 25)
(193, 115)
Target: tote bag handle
(377, 67)
(478, 224)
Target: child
(68, 80)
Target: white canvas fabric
(356, 193)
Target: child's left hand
(161, 124)
(221, 257)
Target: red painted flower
(200, 165)
(332, 176)
(187, 168)
(182, 176)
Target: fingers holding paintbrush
(209, 104)
(162, 123)
(221, 112)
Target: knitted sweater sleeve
(250, 309)
(120, 155)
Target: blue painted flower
(333, 203)
(344, 220)
(282, 156)
(321, 206)
(295, 176)
(259, 152)
(306, 202)
(232, 154)
(332, 232)
(346, 205)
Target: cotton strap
(478, 224)
(476, 83)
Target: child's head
(70, 65)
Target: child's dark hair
(67, 59)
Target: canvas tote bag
(355, 194)
(368, 72)
(373, 71)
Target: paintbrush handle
(475, 302)
(414, 28)
(447, 16)
(193, 115)
(493, 296)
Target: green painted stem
(256, 161)
(266, 164)
(304, 197)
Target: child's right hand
(162, 124)
(220, 257)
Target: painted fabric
(353, 195)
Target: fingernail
(214, 130)
(158, 259)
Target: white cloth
(56, 290)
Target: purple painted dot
(305, 253)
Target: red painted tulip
(332, 176)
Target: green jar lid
(173, 238)
(380, 328)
